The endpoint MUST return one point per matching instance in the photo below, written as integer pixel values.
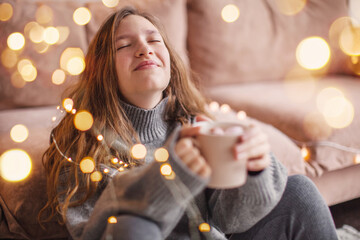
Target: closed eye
(119, 48)
(155, 40)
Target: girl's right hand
(190, 154)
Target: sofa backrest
(261, 44)
(16, 93)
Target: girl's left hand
(253, 147)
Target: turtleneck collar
(149, 123)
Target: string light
(204, 227)
(305, 153)
(112, 219)
(100, 137)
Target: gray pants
(301, 214)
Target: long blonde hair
(97, 92)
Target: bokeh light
(336, 29)
(96, 176)
(204, 227)
(41, 47)
(16, 41)
(357, 159)
(82, 16)
(72, 61)
(225, 108)
(83, 120)
(325, 95)
(214, 106)
(241, 115)
(36, 33)
(19, 133)
(115, 160)
(75, 65)
(27, 70)
(17, 81)
(58, 77)
(64, 33)
(338, 112)
(161, 155)
(290, 7)
(15, 165)
(68, 104)
(230, 13)
(87, 165)
(166, 169)
(313, 53)
(44, 14)
(138, 151)
(100, 137)
(350, 40)
(6, 11)
(51, 35)
(110, 3)
(171, 176)
(9, 58)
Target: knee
(132, 227)
(302, 190)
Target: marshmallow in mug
(232, 130)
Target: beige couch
(249, 64)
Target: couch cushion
(21, 201)
(172, 15)
(291, 107)
(260, 44)
(41, 92)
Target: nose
(143, 50)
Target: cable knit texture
(177, 206)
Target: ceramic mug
(216, 142)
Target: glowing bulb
(225, 108)
(9, 58)
(15, 165)
(112, 219)
(305, 153)
(357, 159)
(73, 111)
(83, 120)
(166, 169)
(51, 35)
(100, 137)
(106, 170)
(82, 16)
(110, 3)
(313, 53)
(138, 151)
(114, 160)
(241, 115)
(53, 119)
(96, 176)
(214, 106)
(290, 7)
(68, 104)
(19, 133)
(16, 41)
(6, 11)
(161, 155)
(58, 77)
(204, 227)
(121, 169)
(171, 176)
(87, 165)
(230, 13)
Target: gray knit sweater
(178, 206)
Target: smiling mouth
(146, 65)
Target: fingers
(189, 131)
(254, 148)
(191, 157)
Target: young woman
(138, 91)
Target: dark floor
(347, 213)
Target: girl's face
(142, 62)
